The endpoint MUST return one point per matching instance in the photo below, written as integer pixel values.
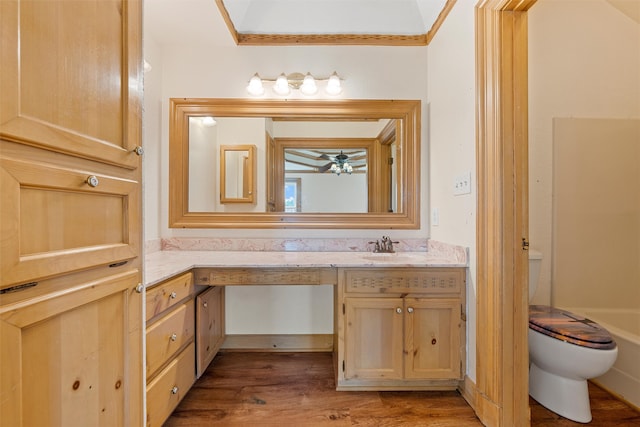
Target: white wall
(152, 122)
(588, 69)
(451, 124)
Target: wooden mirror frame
(407, 112)
(248, 174)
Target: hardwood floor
(297, 389)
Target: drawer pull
(174, 390)
(173, 295)
(92, 181)
(398, 310)
(174, 337)
(410, 310)
(139, 288)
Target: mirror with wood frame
(319, 164)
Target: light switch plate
(462, 184)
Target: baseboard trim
(278, 343)
(469, 392)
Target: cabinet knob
(398, 310)
(139, 150)
(139, 288)
(92, 181)
(433, 341)
(205, 304)
(174, 390)
(173, 295)
(174, 337)
(410, 310)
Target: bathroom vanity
(399, 319)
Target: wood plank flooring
(297, 389)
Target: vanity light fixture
(285, 83)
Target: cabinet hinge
(463, 315)
(525, 244)
(343, 368)
(344, 310)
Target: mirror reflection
(237, 171)
(340, 166)
(317, 163)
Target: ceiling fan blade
(323, 169)
(325, 156)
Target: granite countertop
(161, 265)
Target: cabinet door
(72, 358)
(432, 338)
(209, 326)
(55, 221)
(71, 78)
(373, 338)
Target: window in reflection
(292, 192)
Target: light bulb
(255, 87)
(334, 87)
(282, 85)
(309, 86)
(208, 121)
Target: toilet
(565, 350)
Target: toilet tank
(535, 260)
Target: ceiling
(295, 22)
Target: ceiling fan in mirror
(337, 164)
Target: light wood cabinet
(210, 326)
(170, 346)
(400, 328)
(184, 331)
(71, 327)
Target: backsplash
(302, 245)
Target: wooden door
(373, 338)
(70, 305)
(432, 338)
(72, 357)
(209, 326)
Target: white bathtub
(623, 379)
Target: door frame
(501, 395)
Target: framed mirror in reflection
(318, 164)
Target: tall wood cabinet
(71, 326)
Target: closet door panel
(57, 220)
(70, 81)
(65, 358)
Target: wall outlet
(462, 184)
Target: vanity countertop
(161, 265)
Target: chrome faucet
(385, 245)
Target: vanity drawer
(404, 280)
(168, 294)
(170, 333)
(170, 386)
